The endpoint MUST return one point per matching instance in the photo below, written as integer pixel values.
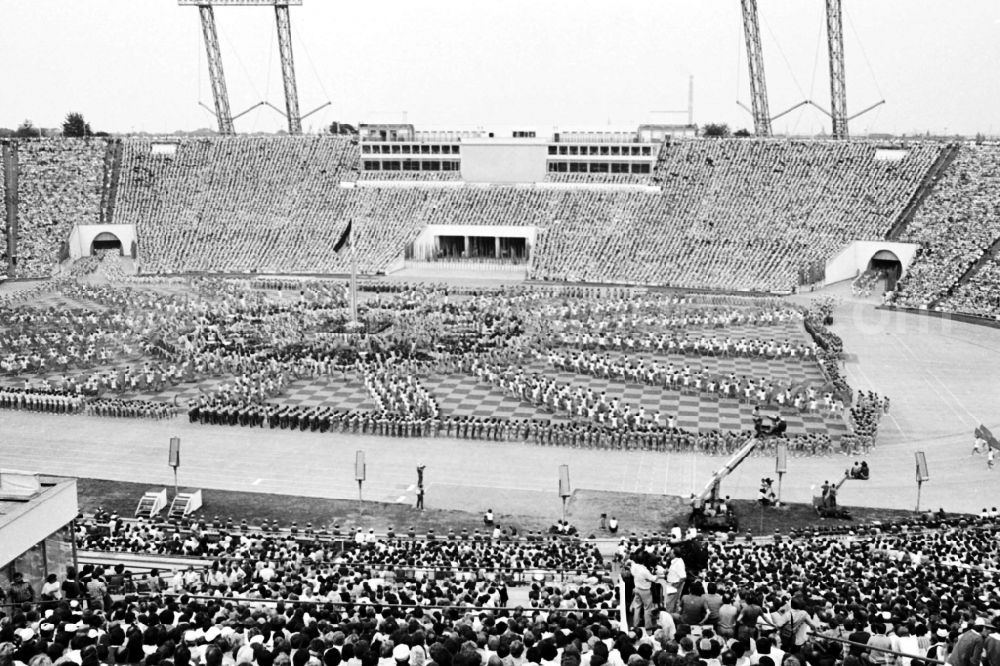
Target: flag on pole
(344, 242)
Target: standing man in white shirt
(676, 575)
(643, 578)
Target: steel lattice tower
(838, 83)
(755, 62)
(288, 68)
(219, 92)
(218, 77)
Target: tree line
(74, 126)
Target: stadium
(393, 394)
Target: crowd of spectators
(954, 226)
(599, 178)
(922, 591)
(980, 295)
(60, 182)
(736, 213)
(930, 583)
(435, 176)
(733, 214)
(305, 564)
(551, 554)
(238, 204)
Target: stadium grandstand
(369, 337)
(269, 594)
(737, 214)
(957, 230)
(272, 205)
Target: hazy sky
(140, 64)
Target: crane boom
(711, 490)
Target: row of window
(638, 151)
(447, 149)
(599, 167)
(411, 165)
(408, 149)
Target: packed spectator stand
(59, 186)
(237, 204)
(731, 212)
(736, 213)
(917, 592)
(980, 295)
(957, 230)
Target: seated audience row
(954, 226)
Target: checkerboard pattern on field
(339, 393)
(336, 392)
(464, 395)
(780, 370)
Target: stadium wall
(854, 259)
(83, 235)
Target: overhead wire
(246, 73)
(781, 51)
(877, 114)
(197, 48)
(864, 54)
(739, 57)
(299, 35)
(270, 65)
(312, 65)
(819, 43)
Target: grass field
(636, 512)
